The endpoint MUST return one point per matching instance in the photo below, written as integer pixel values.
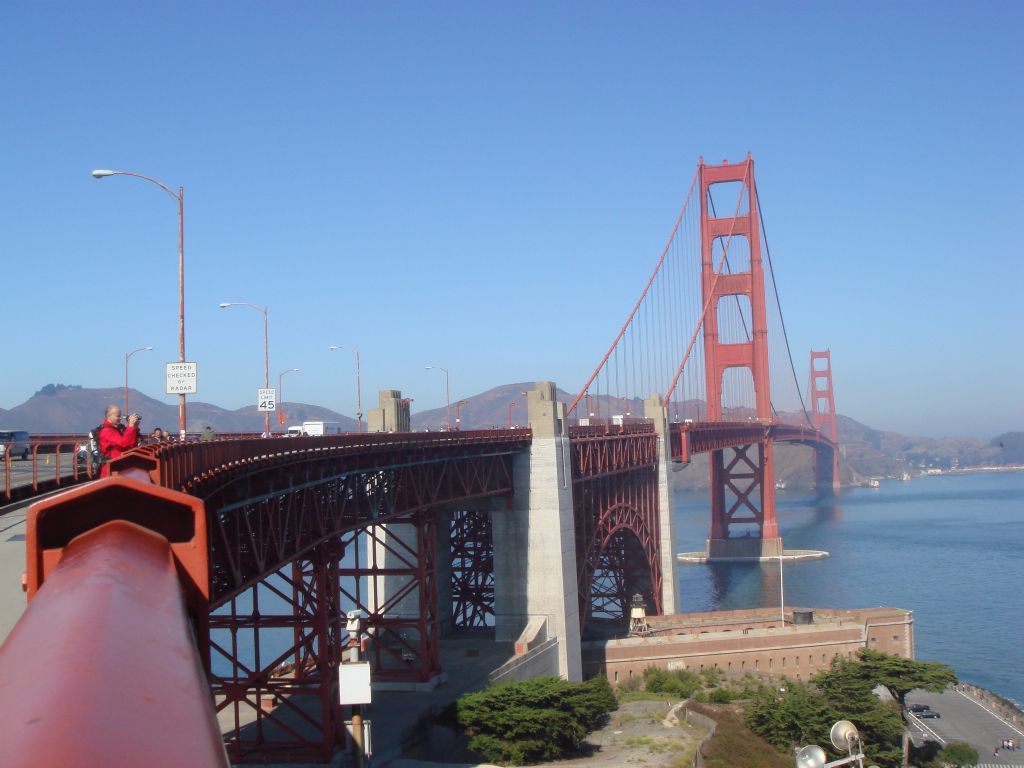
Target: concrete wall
(534, 541)
(541, 661)
(752, 641)
(657, 412)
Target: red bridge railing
(102, 668)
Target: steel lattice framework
(472, 551)
(300, 532)
(615, 505)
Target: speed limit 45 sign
(266, 400)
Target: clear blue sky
(485, 186)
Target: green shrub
(535, 720)
(677, 682)
(712, 676)
(958, 753)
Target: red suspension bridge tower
(742, 478)
(823, 418)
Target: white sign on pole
(181, 378)
(266, 400)
(354, 683)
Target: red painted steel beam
(102, 669)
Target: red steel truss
(472, 551)
(303, 530)
(615, 505)
(759, 493)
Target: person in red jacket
(115, 438)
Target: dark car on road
(918, 707)
(927, 714)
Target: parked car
(17, 440)
(918, 707)
(927, 713)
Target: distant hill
(70, 410)
(866, 452)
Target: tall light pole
(359, 386)
(447, 397)
(511, 405)
(458, 414)
(280, 393)
(180, 197)
(266, 348)
(127, 357)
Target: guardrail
(102, 668)
(52, 464)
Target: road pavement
(12, 565)
(965, 718)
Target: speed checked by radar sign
(266, 400)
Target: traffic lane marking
(925, 729)
(994, 714)
(962, 722)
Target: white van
(17, 441)
(322, 428)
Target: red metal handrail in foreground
(102, 669)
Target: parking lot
(964, 718)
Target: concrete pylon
(656, 410)
(392, 415)
(535, 540)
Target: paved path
(12, 565)
(964, 718)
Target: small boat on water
(874, 482)
(780, 484)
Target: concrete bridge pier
(536, 600)
(656, 410)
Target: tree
(535, 720)
(901, 676)
(957, 753)
(896, 674)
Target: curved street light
(359, 386)
(280, 394)
(127, 357)
(266, 348)
(458, 414)
(447, 397)
(180, 197)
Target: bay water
(948, 547)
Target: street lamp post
(511, 405)
(280, 393)
(359, 386)
(127, 357)
(845, 738)
(458, 414)
(180, 197)
(266, 348)
(447, 397)
(590, 408)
